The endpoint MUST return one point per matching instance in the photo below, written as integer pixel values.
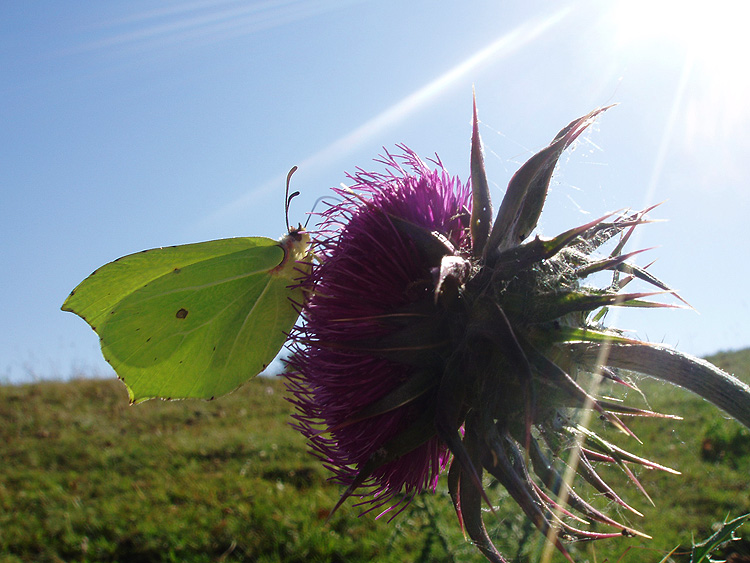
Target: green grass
(85, 477)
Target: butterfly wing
(196, 320)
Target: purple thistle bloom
(373, 283)
(432, 333)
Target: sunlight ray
(615, 312)
(208, 21)
(506, 45)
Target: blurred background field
(85, 477)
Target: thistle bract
(433, 336)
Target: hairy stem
(697, 375)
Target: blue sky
(133, 125)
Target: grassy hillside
(85, 477)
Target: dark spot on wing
(176, 271)
(182, 313)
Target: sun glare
(713, 31)
(710, 42)
(713, 34)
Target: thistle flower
(433, 335)
(371, 327)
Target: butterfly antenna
(289, 197)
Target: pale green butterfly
(196, 320)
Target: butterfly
(196, 320)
